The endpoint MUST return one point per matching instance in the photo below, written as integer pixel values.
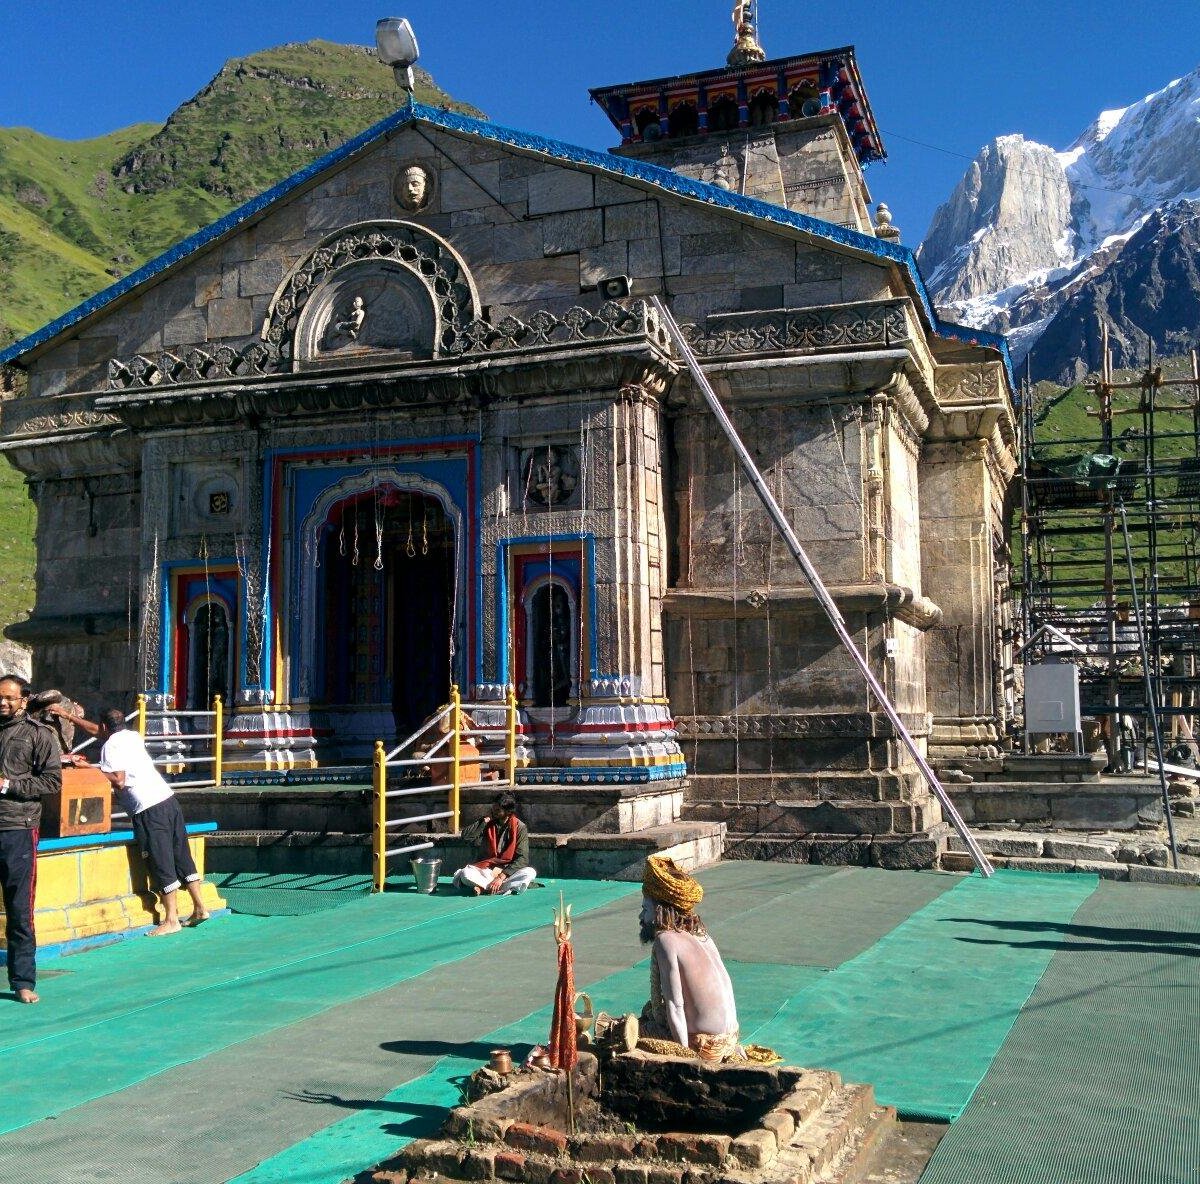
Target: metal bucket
(425, 873)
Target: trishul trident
(562, 921)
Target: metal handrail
(456, 733)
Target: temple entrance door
(388, 616)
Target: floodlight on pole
(396, 44)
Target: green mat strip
(835, 918)
(1097, 1082)
(921, 1014)
(213, 1011)
(353, 1144)
(263, 894)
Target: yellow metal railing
(175, 764)
(445, 752)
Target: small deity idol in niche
(351, 324)
(545, 481)
(412, 189)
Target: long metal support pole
(822, 593)
(1151, 705)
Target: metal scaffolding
(1132, 484)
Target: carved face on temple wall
(413, 188)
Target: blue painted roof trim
(606, 162)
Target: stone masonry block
(599, 263)
(1001, 843)
(1069, 849)
(1106, 871)
(1042, 865)
(611, 192)
(645, 259)
(541, 1139)
(555, 190)
(600, 1175)
(630, 1173)
(637, 220)
(707, 1150)
(517, 242)
(509, 1165)
(597, 1148)
(260, 277)
(461, 192)
(230, 318)
(463, 1123)
(754, 1148)
(188, 329)
(663, 1175)
(565, 234)
(538, 1171)
(1139, 874)
(443, 1158)
(478, 1164)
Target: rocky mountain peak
(1028, 229)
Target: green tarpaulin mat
(1097, 1082)
(189, 1005)
(263, 894)
(418, 1108)
(921, 1013)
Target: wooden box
(83, 808)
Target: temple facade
(408, 420)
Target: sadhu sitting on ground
(691, 995)
(503, 865)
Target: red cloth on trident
(564, 1050)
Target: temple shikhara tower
(407, 420)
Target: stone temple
(399, 423)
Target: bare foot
(165, 928)
(197, 918)
(25, 995)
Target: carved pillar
(965, 467)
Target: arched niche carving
(370, 293)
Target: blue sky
(943, 78)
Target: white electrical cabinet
(1052, 701)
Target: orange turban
(669, 884)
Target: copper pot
(541, 1060)
(501, 1062)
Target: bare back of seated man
(691, 995)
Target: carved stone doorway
(387, 558)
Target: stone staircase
(595, 831)
(769, 816)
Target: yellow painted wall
(91, 891)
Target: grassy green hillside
(74, 215)
(77, 214)
(1065, 428)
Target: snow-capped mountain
(1029, 231)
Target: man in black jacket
(30, 766)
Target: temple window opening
(683, 120)
(723, 114)
(804, 101)
(764, 108)
(646, 121)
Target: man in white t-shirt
(156, 817)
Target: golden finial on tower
(746, 48)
